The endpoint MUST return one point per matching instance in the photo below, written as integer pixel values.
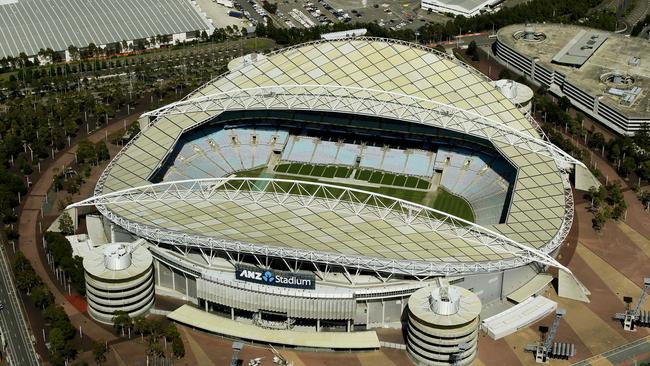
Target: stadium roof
(29, 25)
(368, 76)
(583, 64)
(354, 225)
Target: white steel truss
(334, 98)
(297, 194)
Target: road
(20, 349)
(636, 351)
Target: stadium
(316, 189)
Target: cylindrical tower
(119, 276)
(443, 326)
(519, 94)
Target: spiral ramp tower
(119, 277)
(443, 326)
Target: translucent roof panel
(379, 65)
(315, 229)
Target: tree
(70, 127)
(564, 103)
(61, 349)
(178, 349)
(615, 193)
(21, 263)
(644, 170)
(597, 140)
(154, 349)
(140, 326)
(121, 320)
(92, 49)
(599, 220)
(170, 332)
(41, 296)
(628, 166)
(73, 52)
(99, 353)
(472, 50)
(66, 225)
(86, 152)
(58, 246)
(57, 318)
(27, 280)
(101, 151)
(270, 7)
(505, 74)
(619, 210)
(645, 198)
(594, 197)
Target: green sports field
(408, 188)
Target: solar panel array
(29, 25)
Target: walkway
(200, 319)
(28, 226)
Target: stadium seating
(301, 149)
(394, 161)
(372, 157)
(347, 154)
(222, 152)
(325, 153)
(442, 158)
(479, 178)
(420, 163)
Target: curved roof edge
(203, 189)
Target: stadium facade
(603, 74)
(31, 25)
(311, 189)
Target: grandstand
(30, 25)
(476, 191)
(324, 184)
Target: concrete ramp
(584, 179)
(518, 317)
(200, 319)
(570, 288)
(532, 287)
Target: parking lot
(391, 14)
(394, 15)
(309, 13)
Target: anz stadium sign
(272, 277)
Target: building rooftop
(595, 61)
(465, 6)
(374, 66)
(29, 25)
(96, 262)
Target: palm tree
(74, 52)
(122, 320)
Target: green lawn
(440, 199)
(453, 204)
